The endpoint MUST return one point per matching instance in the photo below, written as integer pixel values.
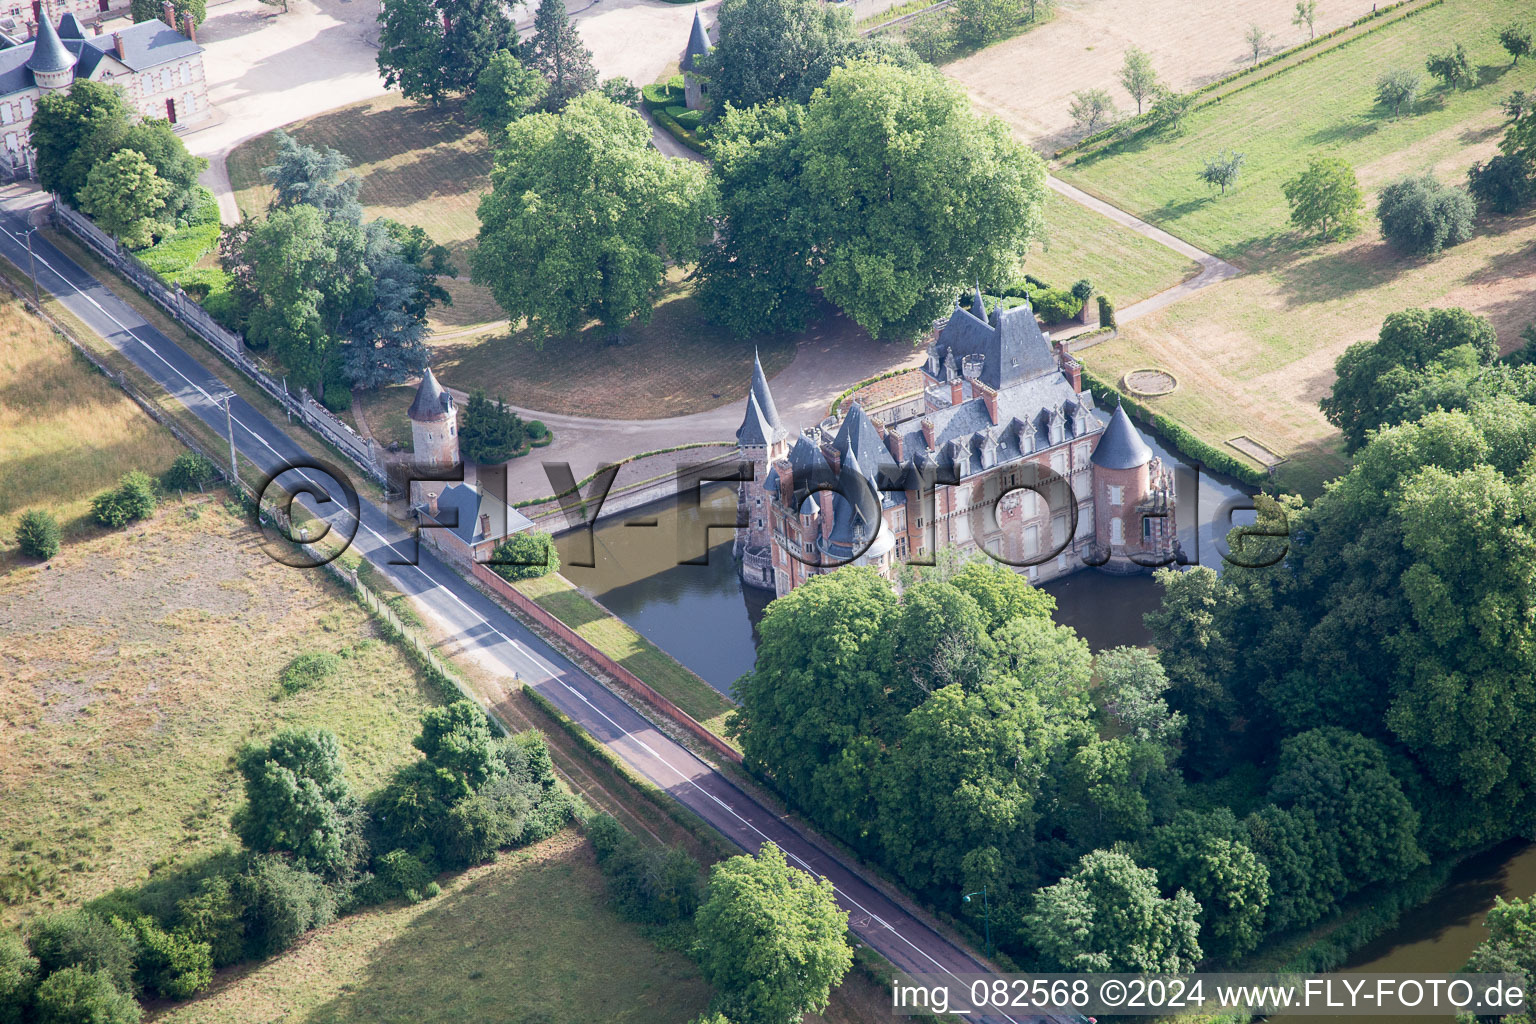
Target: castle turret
(1133, 513)
(694, 88)
(761, 439)
(52, 64)
(434, 425)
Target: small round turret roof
(1121, 445)
(49, 54)
(429, 405)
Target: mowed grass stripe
(1325, 107)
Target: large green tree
(72, 130)
(900, 196)
(1206, 855)
(431, 49)
(1108, 916)
(165, 151)
(145, 10)
(1420, 216)
(1371, 377)
(127, 199)
(583, 217)
(770, 50)
(557, 52)
(505, 91)
(815, 710)
(771, 939)
(297, 797)
(1325, 198)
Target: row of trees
(134, 177)
(312, 850)
(341, 302)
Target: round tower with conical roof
(52, 64)
(761, 439)
(434, 425)
(1133, 510)
(694, 89)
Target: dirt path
(1213, 269)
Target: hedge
(680, 133)
(1176, 435)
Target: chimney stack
(168, 13)
(117, 45)
(189, 26)
(894, 445)
(928, 433)
(432, 504)
(956, 390)
(485, 524)
(990, 397)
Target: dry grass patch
(131, 671)
(530, 938)
(69, 432)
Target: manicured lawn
(1325, 107)
(133, 669)
(529, 939)
(1255, 354)
(53, 400)
(1122, 264)
(616, 639)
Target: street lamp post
(32, 266)
(229, 427)
(986, 915)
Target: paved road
(485, 630)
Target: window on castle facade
(26, 107)
(7, 113)
(1058, 531)
(1116, 495)
(1146, 527)
(1031, 540)
(1059, 463)
(962, 529)
(1116, 531)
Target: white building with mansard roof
(159, 69)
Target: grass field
(1325, 107)
(527, 940)
(1122, 264)
(50, 400)
(1255, 354)
(615, 638)
(135, 666)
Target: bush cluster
(190, 472)
(132, 500)
(308, 669)
(471, 795)
(651, 885)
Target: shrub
(309, 669)
(1421, 216)
(37, 534)
(1106, 312)
(690, 119)
(1054, 305)
(77, 938)
(215, 915)
(1502, 185)
(525, 556)
(337, 398)
(18, 977)
(132, 500)
(648, 884)
(77, 996)
(171, 964)
(281, 902)
(190, 472)
(400, 873)
(653, 96)
(1082, 289)
(1453, 67)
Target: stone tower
(698, 45)
(434, 425)
(1133, 507)
(51, 63)
(761, 439)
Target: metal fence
(228, 344)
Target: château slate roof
(1014, 347)
(761, 426)
(764, 396)
(431, 402)
(48, 51)
(1121, 447)
(698, 43)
